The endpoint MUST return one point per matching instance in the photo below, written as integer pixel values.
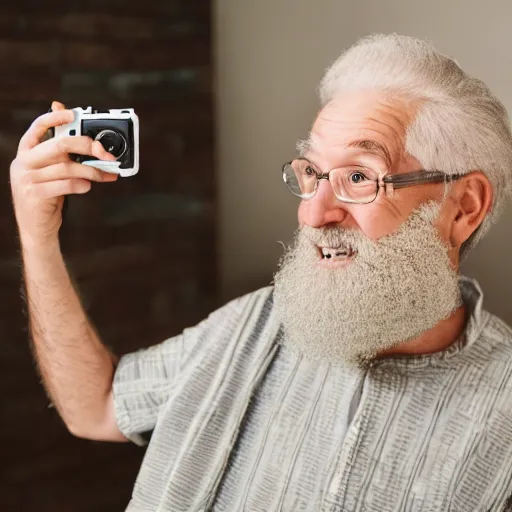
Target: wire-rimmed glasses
(354, 184)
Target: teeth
(329, 252)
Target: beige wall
(270, 55)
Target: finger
(58, 150)
(41, 125)
(57, 105)
(51, 189)
(70, 170)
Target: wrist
(39, 246)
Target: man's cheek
(378, 224)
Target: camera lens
(113, 141)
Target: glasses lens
(355, 184)
(300, 177)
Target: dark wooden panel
(135, 55)
(28, 55)
(157, 8)
(141, 251)
(110, 26)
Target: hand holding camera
(44, 172)
(118, 132)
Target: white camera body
(118, 132)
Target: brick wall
(142, 250)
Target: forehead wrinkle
(388, 118)
(379, 146)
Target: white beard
(394, 289)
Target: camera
(118, 132)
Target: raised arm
(77, 369)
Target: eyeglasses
(354, 184)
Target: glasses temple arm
(418, 178)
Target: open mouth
(336, 254)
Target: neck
(440, 337)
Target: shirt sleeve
(144, 380)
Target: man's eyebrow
(372, 146)
(303, 146)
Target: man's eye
(357, 177)
(310, 171)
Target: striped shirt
(242, 423)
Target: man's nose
(323, 208)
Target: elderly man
(369, 377)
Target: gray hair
(460, 125)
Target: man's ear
(473, 197)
